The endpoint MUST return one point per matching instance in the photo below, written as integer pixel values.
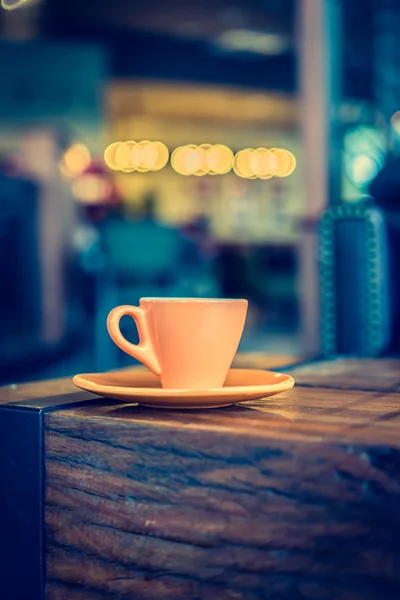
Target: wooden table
(295, 497)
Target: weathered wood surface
(58, 387)
(294, 497)
(351, 373)
(32, 391)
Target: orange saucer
(141, 386)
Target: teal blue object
(141, 249)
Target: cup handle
(144, 350)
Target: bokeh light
(281, 162)
(13, 4)
(162, 156)
(206, 159)
(132, 156)
(264, 163)
(242, 164)
(199, 160)
(219, 159)
(291, 165)
(179, 159)
(190, 160)
(364, 155)
(362, 169)
(109, 156)
(76, 160)
(124, 158)
(91, 189)
(251, 40)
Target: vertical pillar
(319, 78)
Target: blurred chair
(354, 278)
(140, 259)
(274, 274)
(20, 300)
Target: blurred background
(223, 148)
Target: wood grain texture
(351, 373)
(32, 391)
(53, 387)
(295, 497)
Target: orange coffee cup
(189, 343)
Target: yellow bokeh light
(76, 160)
(12, 4)
(260, 163)
(202, 160)
(149, 155)
(291, 164)
(136, 155)
(199, 160)
(123, 157)
(187, 160)
(196, 161)
(264, 163)
(178, 159)
(132, 156)
(91, 189)
(242, 164)
(109, 156)
(219, 159)
(162, 156)
(282, 161)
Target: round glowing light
(190, 160)
(178, 159)
(291, 164)
(204, 150)
(196, 161)
(264, 163)
(273, 164)
(75, 160)
(219, 159)
(202, 160)
(268, 164)
(255, 161)
(242, 164)
(149, 155)
(136, 155)
(282, 161)
(162, 156)
(123, 157)
(143, 156)
(91, 189)
(132, 156)
(109, 156)
(362, 169)
(261, 163)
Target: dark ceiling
(175, 39)
(178, 39)
(181, 18)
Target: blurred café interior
(222, 148)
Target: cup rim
(200, 300)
